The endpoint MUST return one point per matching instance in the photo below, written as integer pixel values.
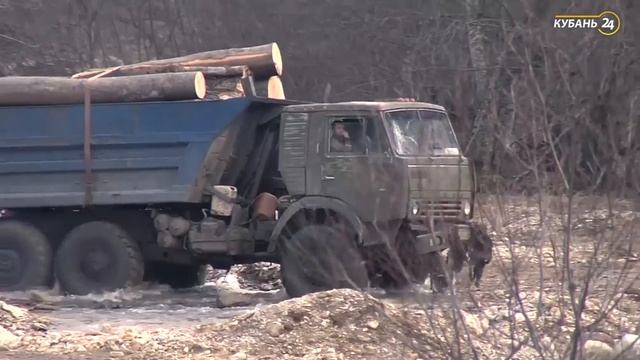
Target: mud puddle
(153, 306)
(148, 307)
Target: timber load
(217, 75)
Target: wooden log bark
(54, 90)
(263, 61)
(221, 88)
(136, 69)
(271, 88)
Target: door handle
(328, 177)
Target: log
(130, 70)
(263, 60)
(221, 88)
(55, 90)
(275, 90)
(271, 88)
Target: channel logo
(606, 23)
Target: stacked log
(41, 90)
(228, 72)
(217, 74)
(271, 88)
(263, 60)
(222, 88)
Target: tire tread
(40, 247)
(134, 256)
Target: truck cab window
(347, 136)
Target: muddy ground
(522, 309)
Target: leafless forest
(524, 97)
(550, 117)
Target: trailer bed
(140, 153)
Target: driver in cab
(340, 139)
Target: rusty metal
(88, 174)
(265, 206)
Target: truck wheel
(98, 256)
(319, 258)
(418, 267)
(406, 266)
(25, 256)
(177, 276)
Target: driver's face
(339, 130)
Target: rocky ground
(523, 309)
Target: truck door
(355, 168)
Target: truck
(353, 194)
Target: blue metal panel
(141, 152)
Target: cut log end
(276, 56)
(275, 90)
(200, 85)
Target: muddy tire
(318, 258)
(408, 267)
(177, 276)
(98, 256)
(25, 256)
(404, 266)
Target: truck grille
(440, 209)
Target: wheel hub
(10, 266)
(95, 264)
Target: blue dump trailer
(103, 196)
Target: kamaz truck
(354, 194)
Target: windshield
(421, 132)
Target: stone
(628, 348)
(275, 329)
(231, 294)
(38, 326)
(240, 355)
(14, 311)
(106, 328)
(234, 297)
(7, 339)
(597, 350)
(373, 324)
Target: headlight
(415, 208)
(466, 207)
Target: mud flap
(457, 255)
(479, 251)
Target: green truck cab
(388, 175)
